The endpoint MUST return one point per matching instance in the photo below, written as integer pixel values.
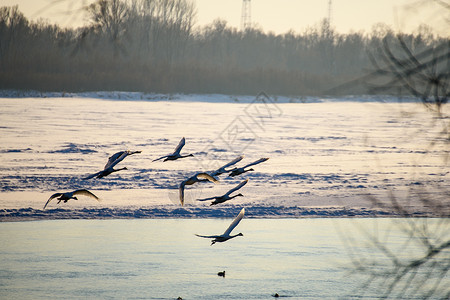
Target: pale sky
(278, 16)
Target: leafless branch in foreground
(416, 263)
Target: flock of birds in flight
(198, 177)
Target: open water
(163, 259)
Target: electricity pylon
(246, 18)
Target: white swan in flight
(223, 169)
(227, 234)
(238, 171)
(191, 180)
(70, 195)
(119, 156)
(176, 154)
(112, 162)
(226, 197)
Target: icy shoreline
(160, 212)
(211, 98)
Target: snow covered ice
(326, 154)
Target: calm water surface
(163, 259)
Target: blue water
(163, 259)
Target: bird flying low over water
(191, 180)
(176, 154)
(70, 195)
(223, 169)
(226, 235)
(238, 171)
(112, 162)
(226, 197)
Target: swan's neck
(238, 195)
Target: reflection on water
(163, 259)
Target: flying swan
(223, 169)
(112, 162)
(176, 154)
(70, 195)
(226, 197)
(226, 235)
(239, 171)
(191, 180)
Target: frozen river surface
(325, 157)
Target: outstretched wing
(113, 158)
(237, 187)
(233, 162)
(180, 146)
(257, 162)
(86, 193)
(93, 175)
(52, 197)
(235, 222)
(116, 158)
(207, 176)
(222, 169)
(181, 189)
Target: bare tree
(110, 16)
(162, 51)
(424, 74)
(420, 69)
(173, 28)
(13, 27)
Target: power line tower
(246, 18)
(330, 13)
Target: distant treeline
(153, 46)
